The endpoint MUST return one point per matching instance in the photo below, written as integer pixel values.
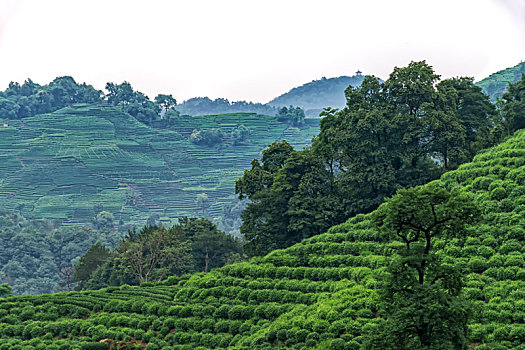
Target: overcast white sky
(251, 49)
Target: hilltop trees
(133, 102)
(20, 101)
(166, 102)
(395, 134)
(421, 303)
(292, 115)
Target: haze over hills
(316, 95)
(312, 97)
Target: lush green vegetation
(496, 84)
(70, 165)
(395, 134)
(436, 266)
(36, 257)
(64, 165)
(321, 293)
(316, 95)
(193, 245)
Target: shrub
(498, 193)
(477, 264)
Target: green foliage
(394, 134)
(205, 106)
(5, 290)
(26, 100)
(420, 299)
(291, 115)
(240, 134)
(497, 83)
(155, 252)
(71, 165)
(325, 291)
(35, 257)
(513, 106)
(210, 137)
(96, 255)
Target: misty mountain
(318, 94)
(312, 97)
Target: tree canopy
(420, 296)
(403, 132)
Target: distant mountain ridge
(318, 94)
(312, 97)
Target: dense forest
(437, 265)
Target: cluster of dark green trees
(212, 137)
(19, 101)
(29, 99)
(155, 252)
(395, 134)
(291, 115)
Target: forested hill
(321, 293)
(318, 94)
(312, 97)
(496, 84)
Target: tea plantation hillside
(64, 164)
(496, 84)
(318, 294)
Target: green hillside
(496, 84)
(318, 94)
(320, 293)
(63, 164)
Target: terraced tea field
(319, 294)
(61, 165)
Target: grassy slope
(496, 84)
(315, 294)
(60, 165)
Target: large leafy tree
(154, 252)
(399, 133)
(421, 303)
(89, 262)
(264, 220)
(166, 102)
(210, 247)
